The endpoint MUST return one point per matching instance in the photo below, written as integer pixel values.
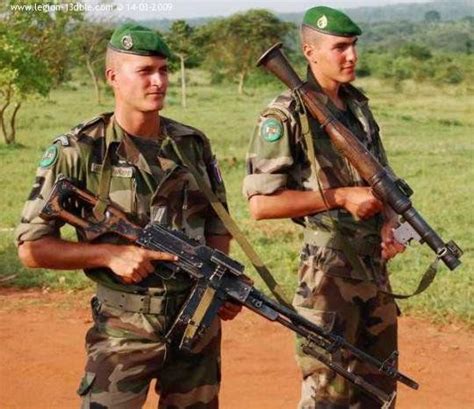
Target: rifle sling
(425, 281)
(235, 231)
(105, 176)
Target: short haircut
(111, 58)
(309, 35)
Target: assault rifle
(218, 278)
(395, 192)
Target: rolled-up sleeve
(32, 226)
(269, 156)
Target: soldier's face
(139, 82)
(334, 58)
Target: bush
(451, 75)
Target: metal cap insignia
(127, 42)
(322, 22)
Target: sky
(183, 9)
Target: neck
(330, 87)
(141, 124)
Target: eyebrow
(354, 41)
(151, 66)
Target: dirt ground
(42, 358)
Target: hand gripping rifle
(218, 278)
(395, 192)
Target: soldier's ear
(309, 52)
(110, 76)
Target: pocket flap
(324, 319)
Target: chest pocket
(178, 203)
(122, 186)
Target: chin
(154, 107)
(347, 78)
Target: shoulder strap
(105, 176)
(425, 281)
(235, 231)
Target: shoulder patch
(50, 156)
(271, 129)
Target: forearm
(221, 243)
(55, 253)
(294, 203)
(389, 215)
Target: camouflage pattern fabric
(357, 311)
(165, 191)
(330, 291)
(126, 350)
(283, 164)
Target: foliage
(234, 44)
(89, 47)
(444, 36)
(34, 53)
(413, 61)
(182, 40)
(432, 16)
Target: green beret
(330, 21)
(134, 39)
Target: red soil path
(42, 358)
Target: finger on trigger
(160, 255)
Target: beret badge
(322, 22)
(127, 42)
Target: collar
(126, 150)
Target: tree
(235, 43)
(181, 40)
(432, 16)
(416, 51)
(20, 74)
(91, 40)
(34, 55)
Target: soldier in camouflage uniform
(347, 231)
(133, 307)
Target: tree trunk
(183, 82)
(241, 82)
(2, 117)
(12, 136)
(95, 81)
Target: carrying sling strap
(350, 253)
(105, 175)
(235, 231)
(425, 281)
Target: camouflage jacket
(277, 160)
(164, 191)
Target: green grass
(428, 134)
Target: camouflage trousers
(361, 314)
(125, 351)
